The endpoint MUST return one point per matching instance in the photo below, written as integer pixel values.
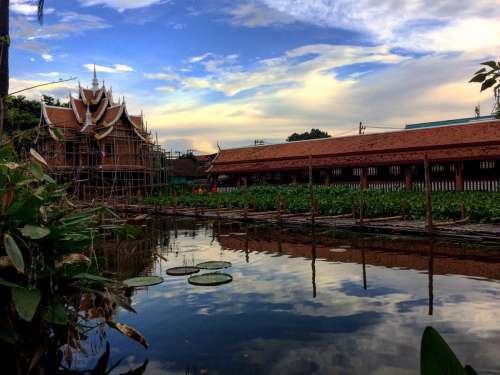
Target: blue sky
(228, 72)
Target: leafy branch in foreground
(437, 358)
(51, 289)
(489, 76)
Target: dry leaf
(8, 198)
(129, 332)
(73, 258)
(38, 158)
(5, 262)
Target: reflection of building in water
(133, 257)
(412, 253)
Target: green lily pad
(214, 265)
(182, 271)
(143, 281)
(210, 279)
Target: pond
(338, 303)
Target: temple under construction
(99, 148)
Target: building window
(356, 172)
(395, 170)
(109, 149)
(69, 149)
(372, 171)
(337, 171)
(490, 164)
(437, 168)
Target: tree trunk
(4, 61)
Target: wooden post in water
(363, 185)
(174, 199)
(408, 178)
(311, 191)
(463, 211)
(218, 204)
(428, 202)
(245, 199)
(278, 210)
(361, 206)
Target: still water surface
(343, 304)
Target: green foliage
(482, 207)
(26, 301)
(437, 358)
(128, 231)
(489, 76)
(44, 273)
(22, 114)
(313, 134)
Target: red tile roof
(137, 120)
(61, 117)
(81, 108)
(479, 140)
(111, 114)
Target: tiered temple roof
(94, 113)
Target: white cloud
(115, 68)
(27, 7)
(300, 89)
(122, 5)
(32, 37)
(50, 74)
(167, 88)
(413, 24)
(212, 62)
(196, 59)
(161, 76)
(254, 14)
(47, 57)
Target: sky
(223, 73)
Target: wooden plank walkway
(468, 232)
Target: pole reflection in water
(363, 258)
(247, 256)
(430, 277)
(313, 260)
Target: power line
(42, 84)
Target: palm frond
(40, 10)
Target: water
(351, 304)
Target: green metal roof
(467, 120)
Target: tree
(22, 114)
(4, 56)
(489, 76)
(313, 134)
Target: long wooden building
(97, 146)
(464, 155)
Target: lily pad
(210, 279)
(143, 281)
(182, 271)
(214, 265)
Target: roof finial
(95, 81)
